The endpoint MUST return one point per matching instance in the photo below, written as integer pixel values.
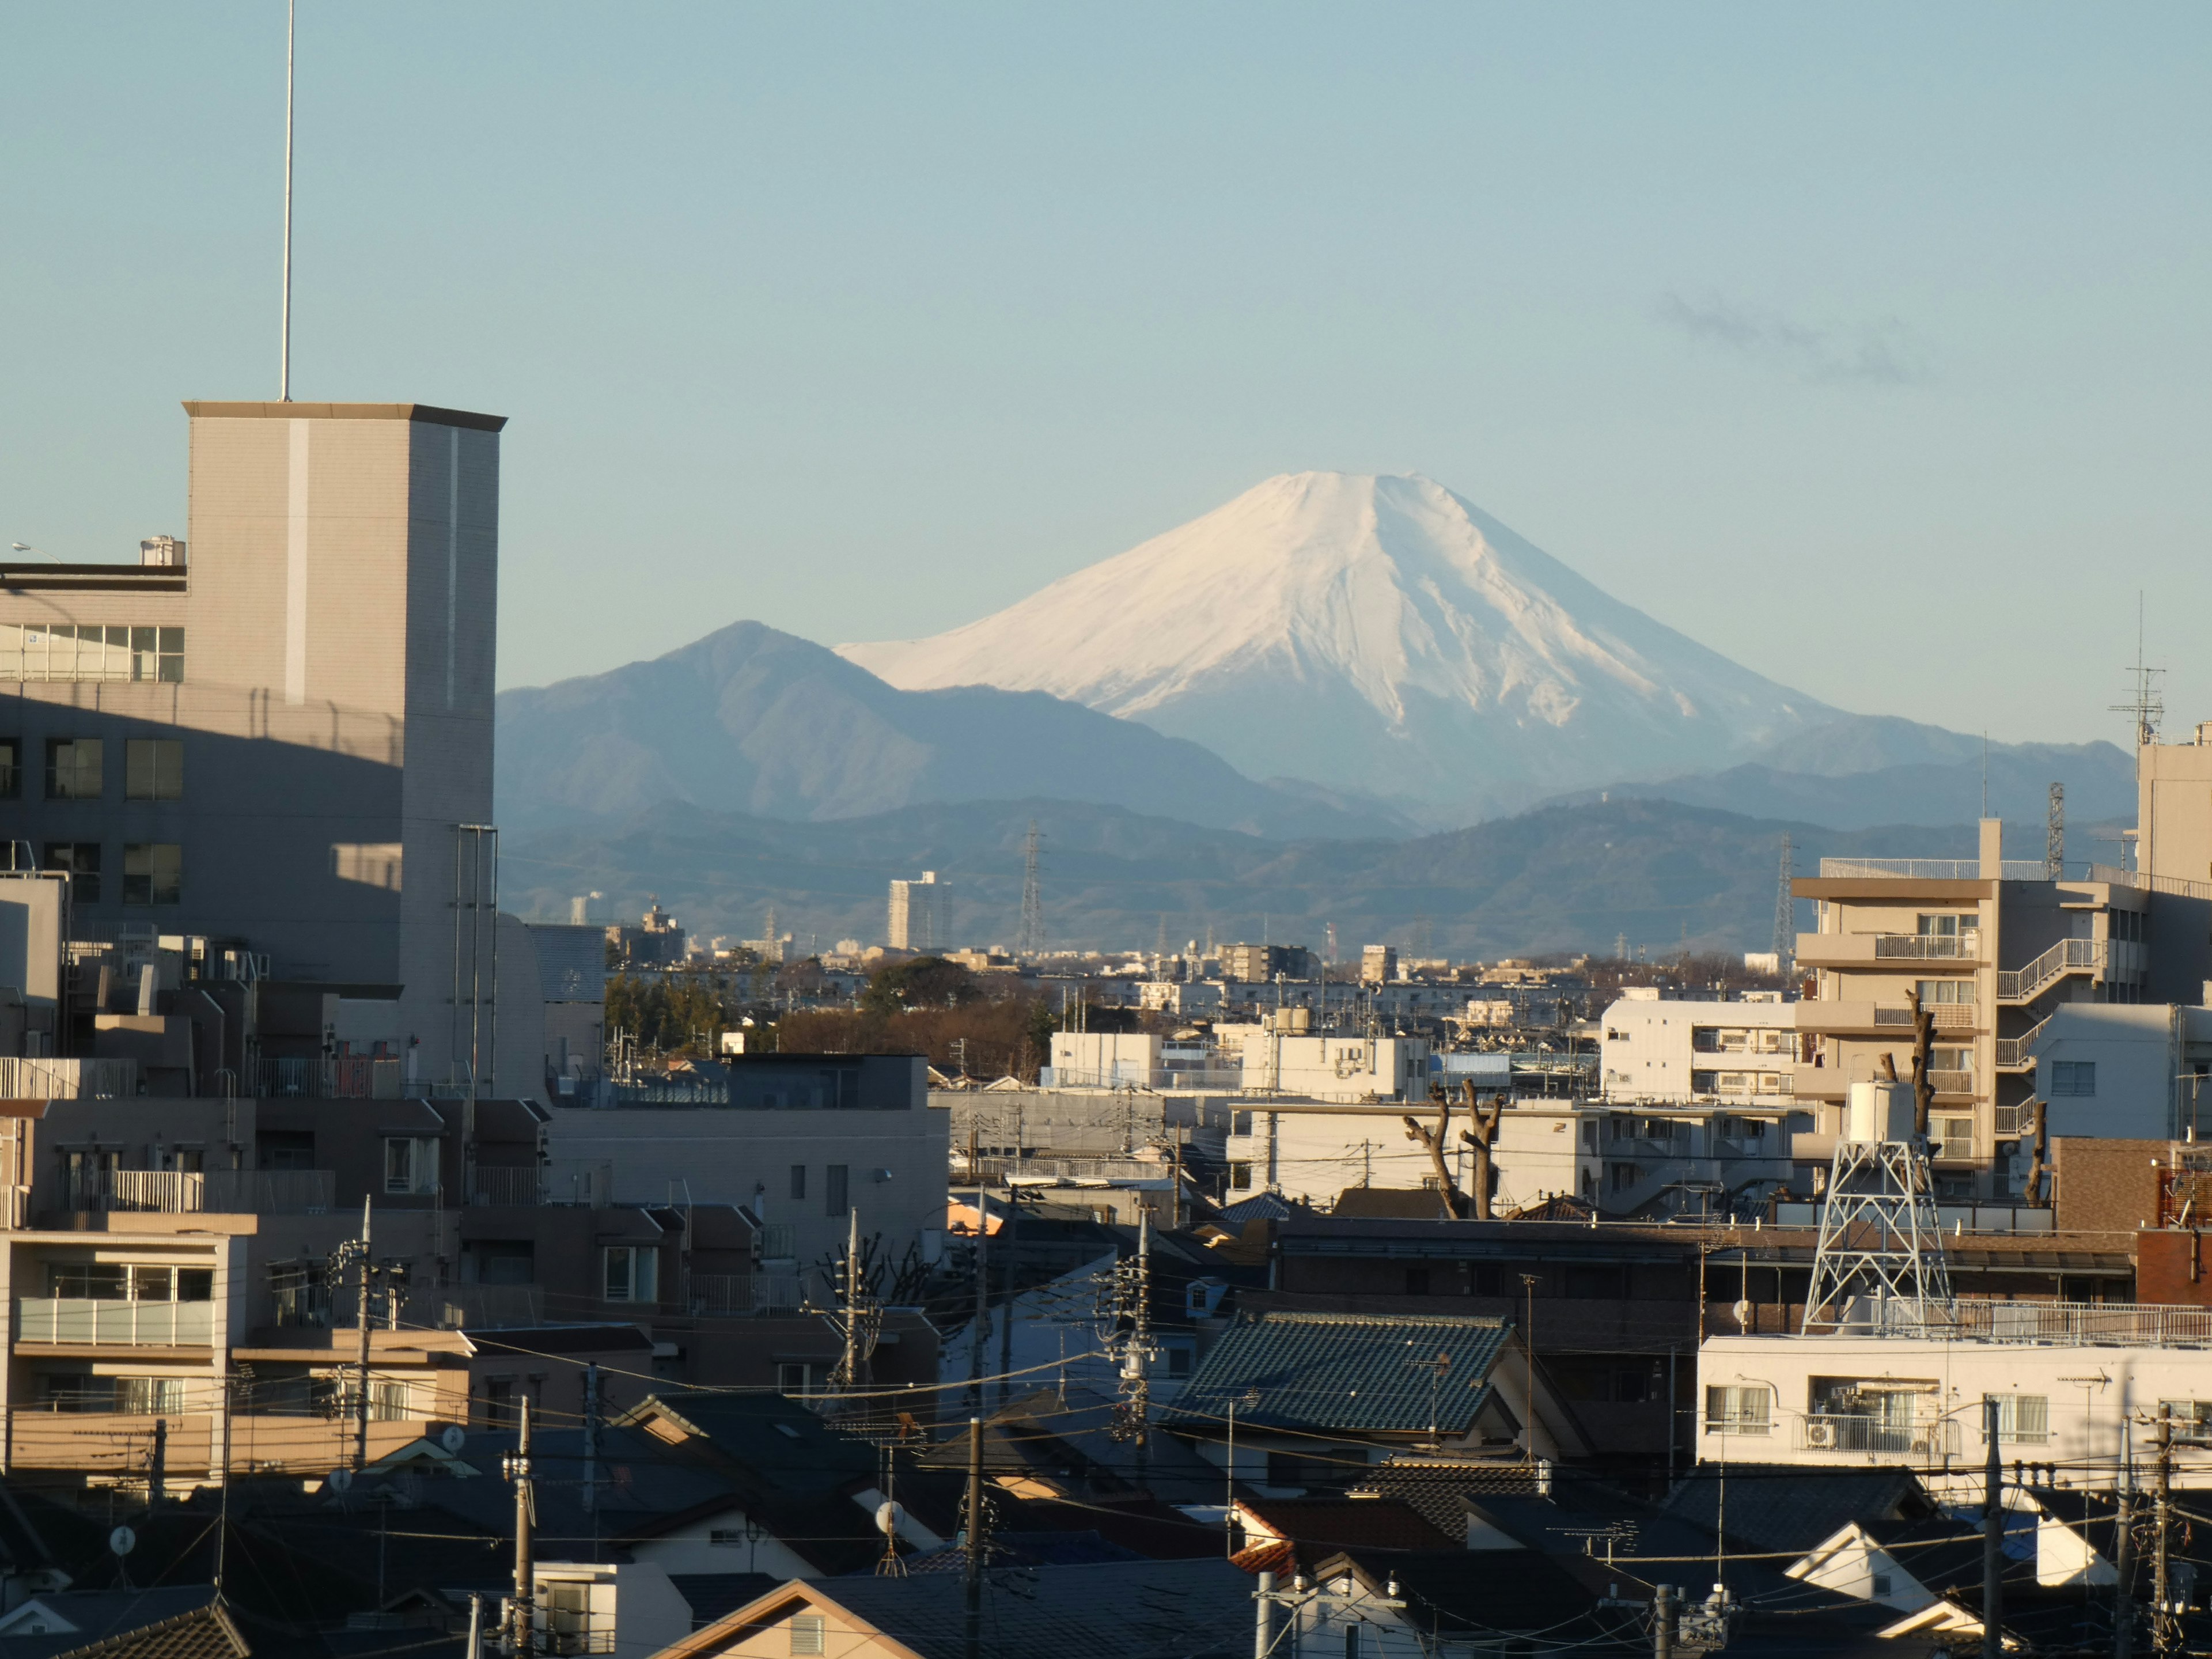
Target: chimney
(1992, 848)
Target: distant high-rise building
(1258, 963)
(917, 914)
(1378, 964)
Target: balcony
(120, 1443)
(743, 1294)
(2069, 956)
(1827, 1432)
(563, 1184)
(211, 1192)
(1930, 870)
(45, 1320)
(1846, 1017)
(1865, 951)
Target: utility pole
(1008, 1284)
(1263, 1620)
(2124, 1552)
(521, 1621)
(1664, 1610)
(977, 1334)
(1528, 1348)
(2162, 1624)
(1992, 1536)
(977, 1543)
(591, 1442)
(361, 1320)
(849, 1366)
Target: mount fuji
(1378, 634)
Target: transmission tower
(1881, 1246)
(1786, 915)
(1028, 940)
(2054, 844)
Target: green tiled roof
(1344, 1372)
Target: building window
(810, 1633)
(2022, 1418)
(389, 1402)
(1240, 1177)
(498, 1408)
(1881, 1585)
(799, 1181)
(798, 1377)
(90, 651)
(2073, 1076)
(632, 1273)
(411, 1166)
(834, 1190)
(73, 768)
(1933, 991)
(153, 873)
(153, 768)
(299, 1291)
(80, 861)
(11, 768)
(1955, 1136)
(1738, 1410)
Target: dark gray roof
(1106, 1610)
(95, 1615)
(1350, 1373)
(1787, 1506)
(714, 1596)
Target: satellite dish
(453, 1438)
(888, 1515)
(122, 1540)
(341, 1482)
(1743, 1312)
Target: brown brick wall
(2163, 1275)
(2106, 1186)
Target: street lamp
(25, 547)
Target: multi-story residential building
(1378, 964)
(1656, 1050)
(1264, 963)
(1992, 948)
(917, 920)
(253, 735)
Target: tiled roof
(1349, 1523)
(204, 1632)
(1404, 1203)
(94, 1616)
(1786, 1506)
(1348, 1373)
(1199, 1609)
(712, 1595)
(1438, 1490)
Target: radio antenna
(284, 350)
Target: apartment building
(278, 732)
(917, 920)
(1993, 948)
(1664, 1051)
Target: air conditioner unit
(1819, 1434)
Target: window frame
(640, 1274)
(153, 768)
(1731, 1417)
(86, 757)
(2069, 1077)
(159, 882)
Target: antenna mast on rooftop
(285, 348)
(1786, 915)
(2148, 707)
(2054, 840)
(1028, 939)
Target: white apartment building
(917, 920)
(1669, 1051)
(2075, 1382)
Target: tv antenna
(284, 348)
(2148, 707)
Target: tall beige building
(280, 735)
(916, 922)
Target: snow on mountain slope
(1372, 633)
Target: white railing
(567, 1184)
(2115, 1324)
(2018, 1053)
(1951, 1082)
(68, 1080)
(118, 1324)
(2113, 875)
(1930, 870)
(211, 1192)
(1140, 1077)
(2067, 955)
(1835, 1432)
(1930, 947)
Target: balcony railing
(487, 1306)
(743, 1293)
(1929, 947)
(2069, 956)
(1832, 1432)
(1930, 870)
(118, 1324)
(2062, 1324)
(567, 1184)
(210, 1192)
(2178, 886)
(1951, 1083)
(67, 1079)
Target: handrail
(2014, 1053)
(2129, 1324)
(1946, 947)
(2112, 876)
(2067, 955)
(1930, 870)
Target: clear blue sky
(1869, 345)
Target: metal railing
(1231, 1078)
(1948, 1016)
(210, 1192)
(1930, 870)
(1930, 947)
(67, 1079)
(118, 1324)
(2018, 1053)
(1951, 1083)
(738, 1294)
(480, 1306)
(2069, 956)
(1842, 1432)
(568, 1184)
(2107, 1324)
(2113, 875)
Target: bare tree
(2039, 1165)
(1481, 1138)
(1434, 1141)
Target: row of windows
(153, 871)
(90, 651)
(836, 1187)
(77, 769)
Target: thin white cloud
(1882, 352)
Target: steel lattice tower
(1880, 1240)
(1029, 939)
(2054, 844)
(1785, 916)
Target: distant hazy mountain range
(1386, 657)
(1656, 874)
(754, 721)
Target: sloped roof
(1262, 1206)
(1349, 1523)
(1399, 1203)
(712, 1595)
(95, 1616)
(204, 1632)
(1199, 1609)
(1349, 1373)
(1437, 1490)
(1788, 1506)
